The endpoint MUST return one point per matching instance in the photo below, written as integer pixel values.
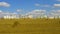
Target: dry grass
(30, 26)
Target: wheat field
(29, 26)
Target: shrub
(15, 24)
(59, 22)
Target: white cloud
(37, 12)
(42, 5)
(55, 12)
(58, 11)
(57, 5)
(19, 10)
(7, 13)
(57, 0)
(37, 4)
(46, 6)
(5, 4)
(0, 11)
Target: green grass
(30, 26)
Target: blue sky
(29, 5)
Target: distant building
(52, 17)
(30, 16)
(45, 16)
(27, 16)
(11, 16)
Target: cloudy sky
(28, 6)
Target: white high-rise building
(11, 16)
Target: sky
(28, 6)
